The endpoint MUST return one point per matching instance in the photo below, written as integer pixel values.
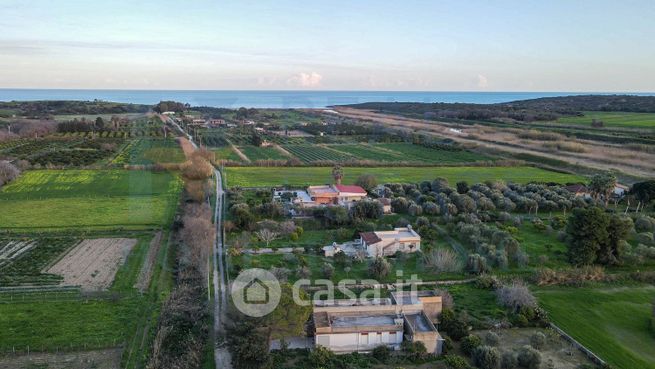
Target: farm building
(345, 326)
(338, 194)
(578, 190)
(379, 243)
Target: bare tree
(515, 296)
(8, 172)
(267, 235)
(198, 235)
(442, 260)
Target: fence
(593, 357)
(8, 351)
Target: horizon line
(326, 90)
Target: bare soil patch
(92, 264)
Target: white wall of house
(363, 341)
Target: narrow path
(222, 358)
(221, 353)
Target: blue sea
(272, 99)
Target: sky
(501, 45)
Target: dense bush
(453, 325)
(516, 296)
(470, 343)
(529, 358)
(486, 357)
(456, 362)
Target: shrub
(645, 224)
(321, 357)
(487, 282)
(476, 264)
(470, 343)
(447, 301)
(455, 327)
(515, 296)
(328, 270)
(379, 268)
(529, 358)
(486, 357)
(456, 362)
(491, 339)
(442, 260)
(415, 351)
(382, 353)
(538, 340)
(646, 238)
(509, 360)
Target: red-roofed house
(335, 194)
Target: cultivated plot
(92, 264)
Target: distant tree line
(41, 109)
(542, 109)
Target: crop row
(311, 153)
(28, 267)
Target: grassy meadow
(613, 119)
(302, 176)
(612, 322)
(89, 198)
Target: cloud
(483, 82)
(305, 80)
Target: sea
(275, 99)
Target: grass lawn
(613, 119)
(303, 176)
(89, 198)
(537, 243)
(409, 264)
(613, 322)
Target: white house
(385, 243)
(361, 325)
(379, 243)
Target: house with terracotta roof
(337, 194)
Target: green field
(255, 153)
(312, 153)
(150, 151)
(419, 153)
(226, 153)
(613, 119)
(48, 324)
(302, 176)
(611, 322)
(89, 198)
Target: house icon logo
(255, 292)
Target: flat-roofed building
(361, 325)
